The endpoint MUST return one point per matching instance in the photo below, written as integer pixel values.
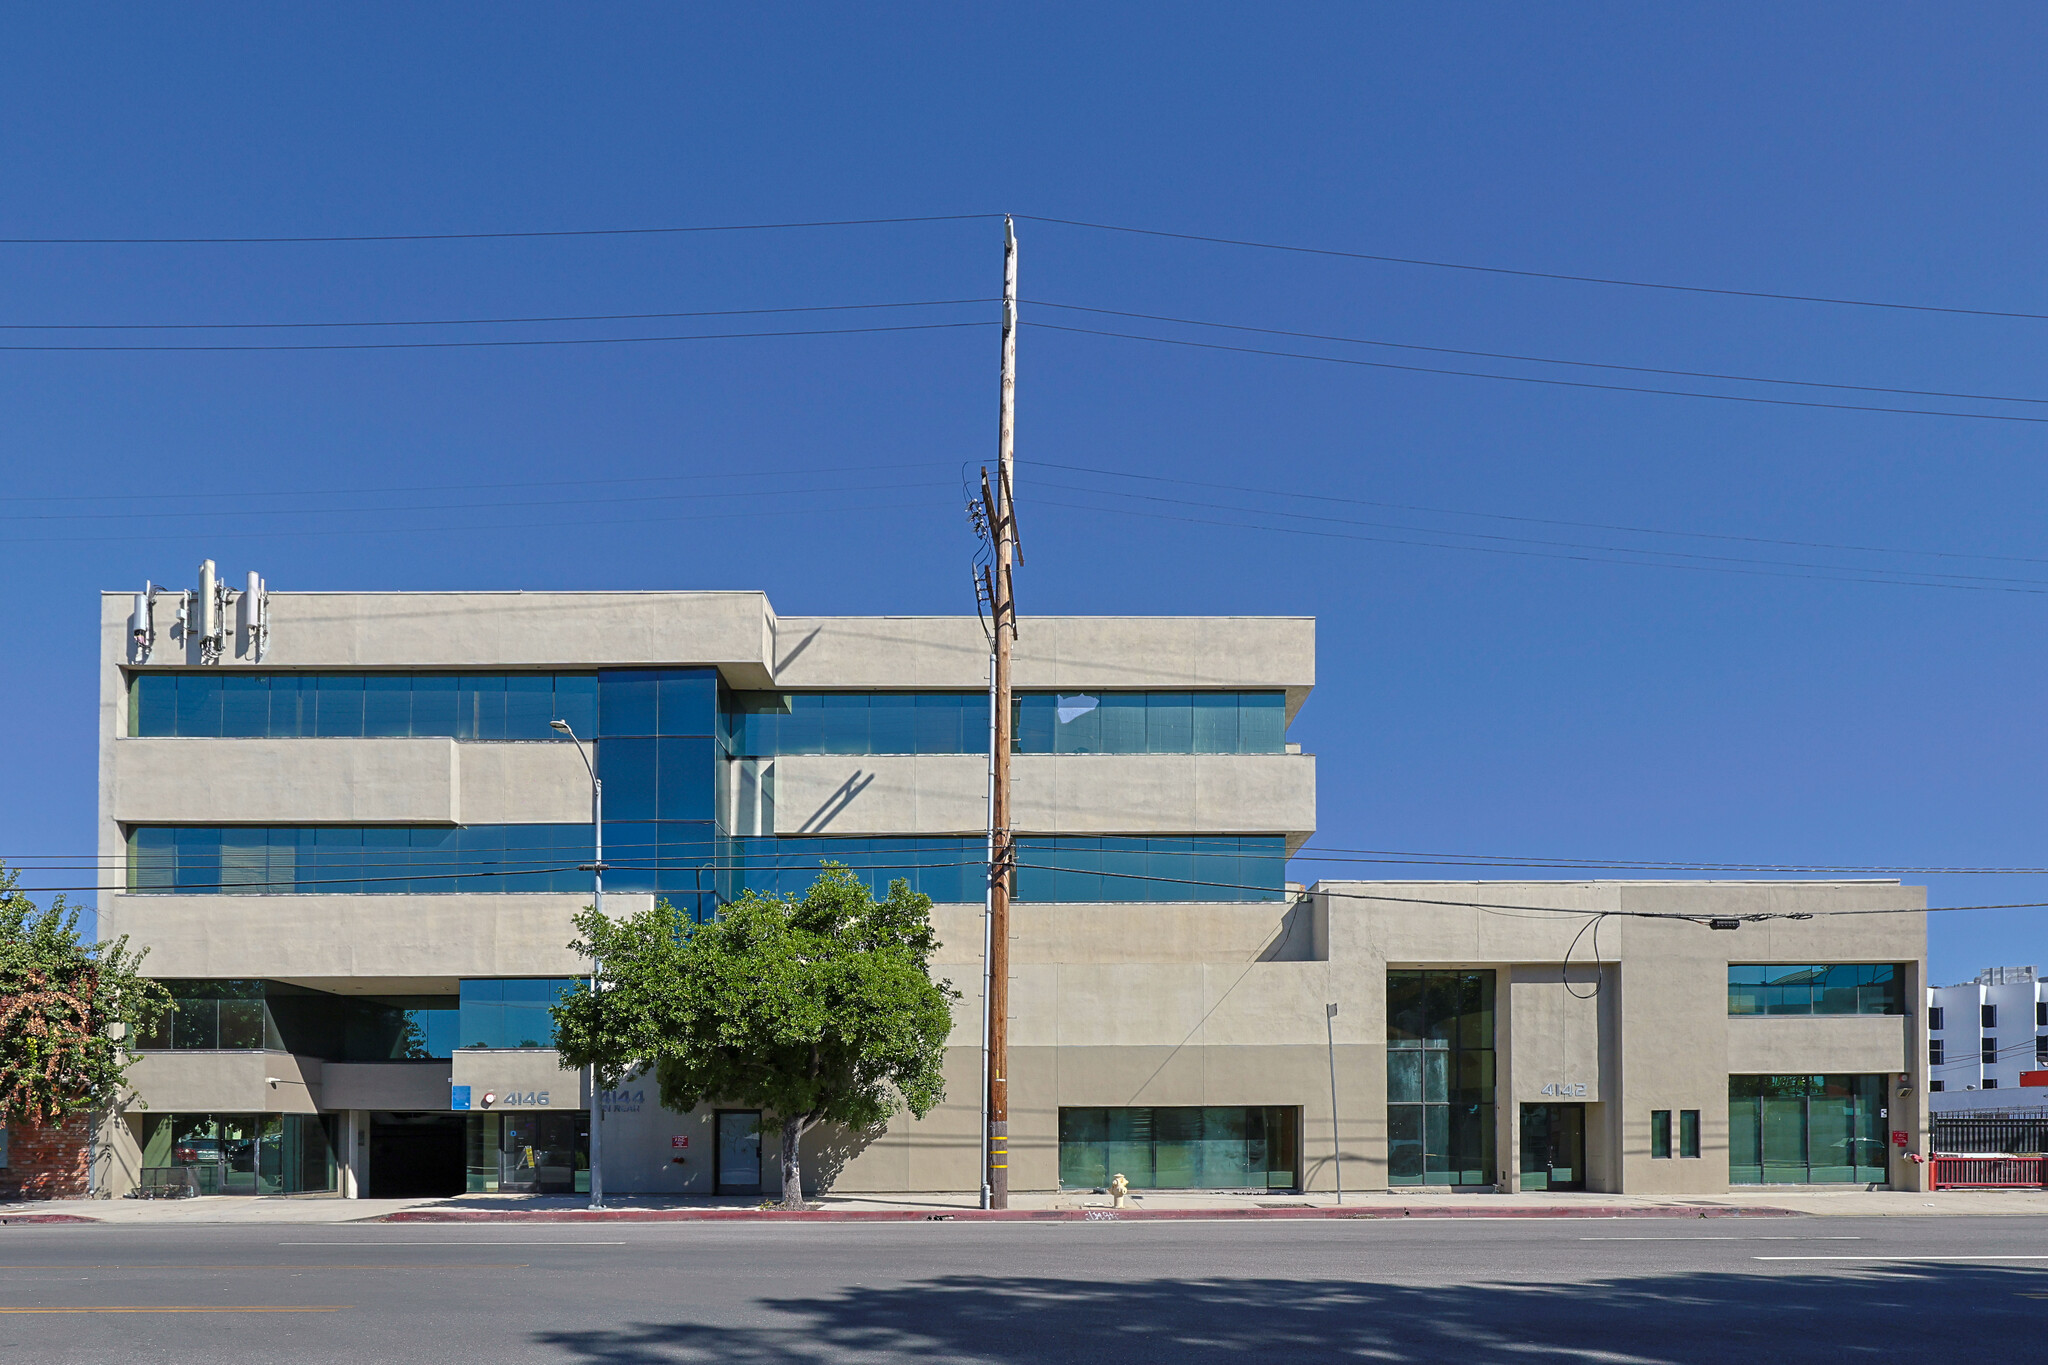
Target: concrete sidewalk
(315, 1209)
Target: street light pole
(1336, 1143)
(597, 884)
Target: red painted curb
(1054, 1215)
(45, 1218)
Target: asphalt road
(1615, 1291)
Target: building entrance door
(738, 1168)
(1553, 1147)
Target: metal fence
(1990, 1172)
(1991, 1134)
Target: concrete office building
(1983, 1036)
(351, 844)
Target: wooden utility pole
(1002, 848)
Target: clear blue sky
(1469, 701)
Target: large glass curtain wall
(1852, 988)
(768, 724)
(1800, 1130)
(1440, 1078)
(231, 1016)
(1207, 1148)
(357, 859)
(511, 1012)
(688, 862)
(243, 704)
(240, 1153)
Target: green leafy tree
(64, 1006)
(819, 1009)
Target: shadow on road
(1880, 1313)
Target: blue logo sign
(458, 1097)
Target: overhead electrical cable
(830, 509)
(490, 236)
(1527, 540)
(514, 341)
(1537, 521)
(1578, 557)
(471, 487)
(1532, 379)
(1539, 274)
(30, 518)
(1537, 359)
(467, 322)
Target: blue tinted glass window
(687, 779)
(1215, 722)
(1076, 723)
(480, 707)
(436, 857)
(576, 702)
(688, 701)
(289, 698)
(199, 705)
(626, 702)
(529, 705)
(433, 705)
(943, 726)
(892, 723)
(484, 859)
(245, 705)
(1123, 722)
(153, 704)
(629, 767)
(198, 859)
(387, 705)
(1031, 723)
(1839, 988)
(843, 721)
(338, 705)
(1169, 723)
(1261, 722)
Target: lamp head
(561, 725)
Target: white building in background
(1981, 1035)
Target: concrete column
(355, 1166)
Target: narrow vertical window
(1660, 1132)
(1934, 1018)
(1990, 1016)
(1688, 1132)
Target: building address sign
(1564, 1089)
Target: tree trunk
(792, 1169)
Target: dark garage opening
(415, 1156)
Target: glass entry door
(1553, 1147)
(738, 1170)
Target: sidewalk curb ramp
(1056, 1215)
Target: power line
(1537, 359)
(1582, 558)
(472, 486)
(30, 518)
(1541, 274)
(1526, 540)
(1538, 379)
(488, 236)
(542, 341)
(465, 322)
(1536, 521)
(832, 509)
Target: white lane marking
(451, 1244)
(1906, 1256)
(1721, 1239)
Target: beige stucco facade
(1118, 1006)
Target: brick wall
(47, 1163)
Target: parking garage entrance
(415, 1156)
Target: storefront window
(1799, 1130)
(1440, 1070)
(1209, 1148)
(526, 1152)
(239, 1153)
